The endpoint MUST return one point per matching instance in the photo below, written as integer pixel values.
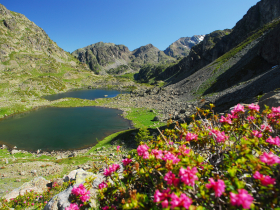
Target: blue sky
(73, 24)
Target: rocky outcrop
(107, 57)
(182, 46)
(38, 185)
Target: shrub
(227, 162)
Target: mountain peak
(182, 46)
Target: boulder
(14, 151)
(156, 118)
(59, 201)
(37, 185)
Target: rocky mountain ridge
(182, 46)
(105, 58)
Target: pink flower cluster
(266, 128)
(254, 107)
(184, 150)
(250, 118)
(126, 161)
(218, 135)
(102, 185)
(162, 196)
(237, 108)
(182, 202)
(112, 169)
(171, 179)
(81, 192)
(273, 141)
(191, 136)
(275, 113)
(265, 180)
(157, 153)
(170, 156)
(219, 186)
(188, 176)
(73, 206)
(142, 150)
(226, 119)
(257, 133)
(269, 158)
(242, 198)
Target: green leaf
(232, 171)
(200, 159)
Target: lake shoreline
(84, 148)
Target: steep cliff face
(108, 57)
(182, 46)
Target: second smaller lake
(90, 94)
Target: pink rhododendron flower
(237, 108)
(162, 196)
(265, 180)
(184, 150)
(242, 198)
(188, 176)
(266, 128)
(232, 116)
(81, 192)
(191, 136)
(254, 107)
(107, 172)
(257, 133)
(73, 206)
(273, 141)
(157, 153)
(105, 208)
(269, 158)
(250, 118)
(126, 161)
(218, 136)
(114, 167)
(142, 150)
(171, 179)
(184, 201)
(170, 156)
(219, 186)
(84, 198)
(225, 120)
(118, 148)
(170, 142)
(102, 185)
(276, 109)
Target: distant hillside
(32, 65)
(182, 46)
(111, 58)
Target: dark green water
(60, 128)
(85, 94)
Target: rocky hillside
(218, 43)
(110, 58)
(32, 65)
(182, 46)
(228, 66)
(246, 70)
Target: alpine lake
(53, 128)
